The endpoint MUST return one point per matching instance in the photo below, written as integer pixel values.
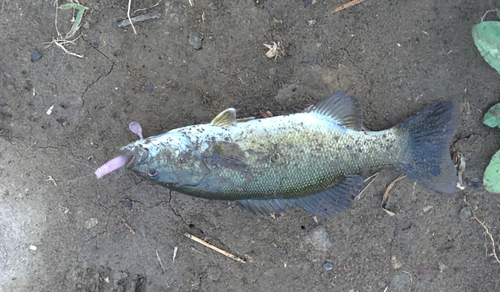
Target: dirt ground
(61, 229)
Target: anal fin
(325, 203)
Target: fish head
(169, 159)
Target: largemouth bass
(308, 159)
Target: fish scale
(308, 159)
(311, 161)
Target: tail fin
(430, 133)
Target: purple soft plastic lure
(121, 160)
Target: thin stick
(128, 15)
(52, 180)
(161, 265)
(487, 231)
(58, 43)
(347, 5)
(200, 241)
(374, 177)
(384, 198)
(175, 253)
(56, 4)
(389, 188)
(482, 18)
(138, 18)
(147, 8)
(129, 227)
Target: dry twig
(161, 265)
(124, 223)
(200, 241)
(141, 9)
(486, 232)
(128, 16)
(384, 198)
(374, 177)
(347, 5)
(175, 253)
(61, 41)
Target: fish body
(308, 159)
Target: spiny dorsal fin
(345, 110)
(225, 119)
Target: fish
(310, 159)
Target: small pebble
(35, 56)
(92, 222)
(441, 267)
(214, 273)
(328, 266)
(425, 209)
(425, 270)
(401, 282)
(195, 39)
(149, 87)
(95, 45)
(319, 239)
(33, 247)
(272, 71)
(396, 264)
(464, 213)
(312, 21)
(128, 203)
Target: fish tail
(430, 133)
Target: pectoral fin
(325, 203)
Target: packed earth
(73, 79)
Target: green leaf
(72, 6)
(486, 36)
(492, 117)
(491, 179)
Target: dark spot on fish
(384, 136)
(226, 138)
(348, 147)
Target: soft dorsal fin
(345, 110)
(225, 119)
(244, 120)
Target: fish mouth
(137, 156)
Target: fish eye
(153, 174)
